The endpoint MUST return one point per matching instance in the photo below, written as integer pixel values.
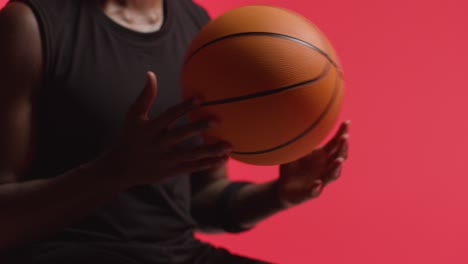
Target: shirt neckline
(135, 36)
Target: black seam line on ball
(269, 92)
(310, 128)
(268, 34)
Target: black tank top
(94, 70)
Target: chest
(99, 81)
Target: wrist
(276, 196)
(225, 207)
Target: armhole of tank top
(45, 34)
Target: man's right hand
(149, 153)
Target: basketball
(271, 77)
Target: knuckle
(193, 128)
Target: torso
(94, 70)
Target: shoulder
(53, 20)
(21, 65)
(52, 13)
(18, 26)
(198, 13)
(54, 6)
(49, 10)
(17, 12)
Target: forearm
(33, 209)
(251, 204)
(254, 203)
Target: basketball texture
(271, 77)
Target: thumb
(142, 104)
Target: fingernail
(340, 160)
(317, 189)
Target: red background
(402, 197)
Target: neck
(138, 5)
(138, 15)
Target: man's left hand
(305, 178)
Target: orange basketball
(271, 77)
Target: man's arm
(251, 204)
(30, 209)
(233, 207)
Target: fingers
(179, 134)
(217, 150)
(173, 113)
(341, 150)
(336, 160)
(334, 171)
(142, 104)
(330, 147)
(316, 189)
(337, 155)
(199, 165)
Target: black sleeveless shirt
(94, 70)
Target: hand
(305, 178)
(149, 152)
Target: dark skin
(21, 73)
(298, 182)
